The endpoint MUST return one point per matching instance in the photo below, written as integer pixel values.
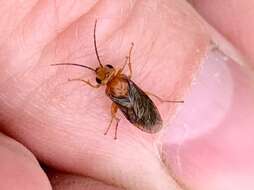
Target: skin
(231, 19)
(61, 123)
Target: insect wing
(139, 109)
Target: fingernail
(210, 98)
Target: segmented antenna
(74, 65)
(95, 45)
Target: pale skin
(62, 125)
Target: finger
(209, 145)
(232, 18)
(64, 123)
(19, 168)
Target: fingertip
(19, 168)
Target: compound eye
(110, 66)
(98, 80)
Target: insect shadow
(133, 102)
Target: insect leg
(117, 121)
(128, 61)
(162, 100)
(86, 81)
(114, 109)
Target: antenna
(95, 45)
(74, 65)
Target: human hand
(207, 145)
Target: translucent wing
(139, 109)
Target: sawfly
(133, 102)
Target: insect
(133, 102)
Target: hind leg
(162, 100)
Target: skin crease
(53, 118)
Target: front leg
(86, 82)
(128, 61)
